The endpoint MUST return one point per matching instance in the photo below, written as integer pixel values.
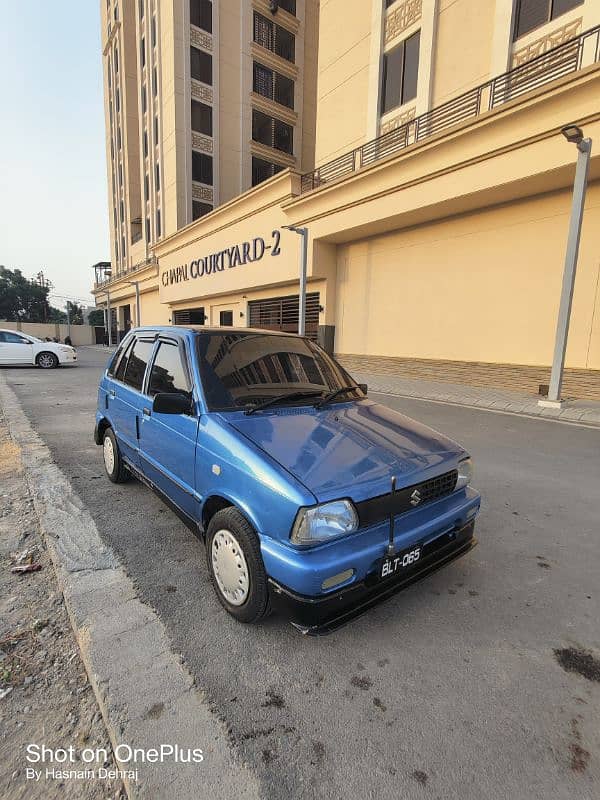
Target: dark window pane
(158, 223)
(201, 65)
(157, 177)
(226, 318)
(263, 80)
(285, 44)
(189, 316)
(561, 6)
(136, 365)
(262, 128)
(153, 31)
(200, 209)
(202, 168)
(263, 31)
(283, 136)
(284, 90)
(263, 170)
(202, 118)
(201, 14)
(411, 67)
(531, 14)
(168, 373)
(143, 52)
(288, 5)
(392, 79)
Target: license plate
(392, 565)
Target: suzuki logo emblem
(415, 498)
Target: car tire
(47, 360)
(113, 463)
(236, 567)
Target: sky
(53, 193)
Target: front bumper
(321, 615)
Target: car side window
(117, 359)
(136, 364)
(168, 372)
(13, 338)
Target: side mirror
(171, 403)
(363, 387)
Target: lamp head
(572, 133)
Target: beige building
(427, 165)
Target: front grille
(377, 509)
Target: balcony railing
(147, 262)
(568, 57)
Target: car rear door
(125, 396)
(15, 349)
(168, 441)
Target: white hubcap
(230, 568)
(109, 455)
(46, 360)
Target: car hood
(350, 449)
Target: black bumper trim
(322, 615)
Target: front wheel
(236, 566)
(47, 360)
(113, 463)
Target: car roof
(206, 330)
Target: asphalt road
(449, 690)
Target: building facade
(431, 175)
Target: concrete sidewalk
(586, 412)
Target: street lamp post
(138, 311)
(303, 233)
(573, 134)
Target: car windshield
(243, 369)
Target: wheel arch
(216, 502)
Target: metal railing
(148, 262)
(568, 57)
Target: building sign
(236, 256)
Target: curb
(146, 696)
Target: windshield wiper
(329, 397)
(281, 398)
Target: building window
(272, 132)
(202, 118)
(189, 316)
(147, 229)
(146, 187)
(157, 177)
(121, 178)
(400, 74)
(263, 170)
(143, 52)
(144, 100)
(118, 101)
(226, 318)
(274, 38)
(116, 60)
(288, 5)
(153, 31)
(201, 14)
(273, 85)
(200, 209)
(154, 82)
(202, 168)
(145, 140)
(201, 65)
(119, 137)
(121, 211)
(530, 14)
(155, 130)
(141, 4)
(158, 226)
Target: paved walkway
(582, 411)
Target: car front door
(125, 397)
(15, 349)
(168, 441)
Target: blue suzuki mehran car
(311, 498)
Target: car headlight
(327, 521)
(66, 349)
(465, 473)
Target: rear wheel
(47, 360)
(236, 566)
(113, 463)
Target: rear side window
(168, 372)
(136, 364)
(118, 358)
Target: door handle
(112, 393)
(146, 412)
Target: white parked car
(21, 348)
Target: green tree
(96, 317)
(75, 313)
(56, 315)
(22, 299)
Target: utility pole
(303, 233)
